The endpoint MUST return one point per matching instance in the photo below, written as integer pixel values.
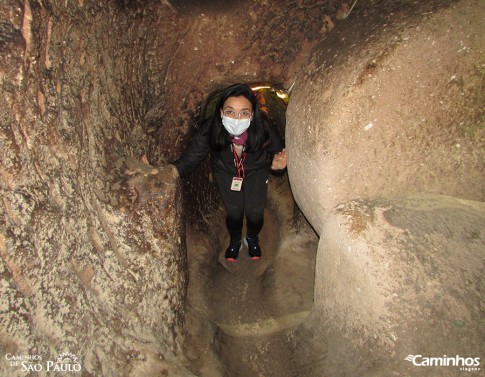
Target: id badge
(236, 184)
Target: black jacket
(223, 160)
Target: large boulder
(390, 105)
(399, 277)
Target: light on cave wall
(282, 95)
(277, 89)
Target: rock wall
(398, 277)
(390, 104)
(387, 114)
(92, 261)
(92, 241)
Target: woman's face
(237, 107)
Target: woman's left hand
(279, 161)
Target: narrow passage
(241, 314)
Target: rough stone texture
(91, 241)
(92, 256)
(398, 277)
(92, 261)
(390, 104)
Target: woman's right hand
(144, 158)
(279, 160)
(174, 170)
(167, 170)
(168, 173)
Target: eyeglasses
(245, 114)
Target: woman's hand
(144, 159)
(279, 161)
(168, 170)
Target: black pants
(250, 201)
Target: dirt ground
(240, 314)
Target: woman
(244, 146)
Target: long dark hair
(258, 132)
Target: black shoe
(233, 249)
(253, 247)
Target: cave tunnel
(373, 243)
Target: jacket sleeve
(276, 143)
(199, 148)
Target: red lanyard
(239, 162)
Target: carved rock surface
(92, 260)
(390, 104)
(92, 253)
(397, 277)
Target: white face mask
(235, 126)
